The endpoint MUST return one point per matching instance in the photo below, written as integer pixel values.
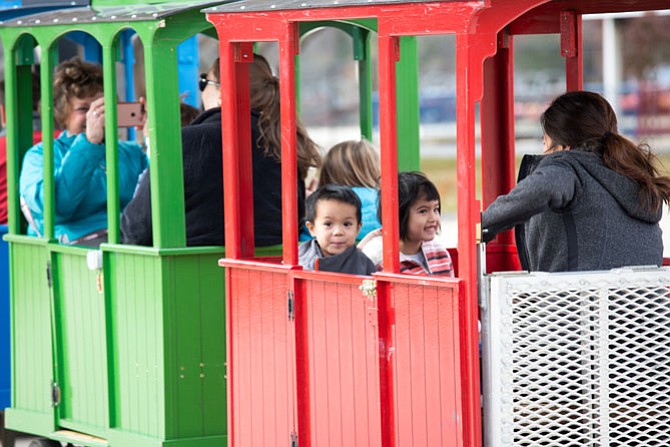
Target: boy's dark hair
(340, 193)
(412, 186)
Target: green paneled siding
(81, 345)
(167, 342)
(31, 337)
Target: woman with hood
(593, 201)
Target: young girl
(354, 164)
(419, 219)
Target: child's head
(419, 207)
(334, 218)
(351, 163)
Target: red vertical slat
(388, 55)
(470, 52)
(402, 388)
(288, 48)
(229, 134)
(244, 56)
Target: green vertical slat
(211, 290)
(49, 58)
(182, 337)
(111, 143)
(361, 39)
(407, 99)
(167, 185)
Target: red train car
(331, 360)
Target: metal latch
(55, 394)
(49, 274)
(290, 298)
(368, 288)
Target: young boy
(334, 219)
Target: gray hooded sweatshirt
(576, 214)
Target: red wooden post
(389, 53)
(571, 49)
(244, 54)
(289, 45)
(497, 140)
(230, 140)
(466, 82)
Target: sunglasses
(203, 81)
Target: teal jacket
(81, 183)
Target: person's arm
(73, 175)
(136, 225)
(31, 180)
(552, 186)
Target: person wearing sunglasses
(202, 161)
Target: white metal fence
(577, 359)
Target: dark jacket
(576, 214)
(203, 190)
(352, 260)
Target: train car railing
(577, 359)
(342, 359)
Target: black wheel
(41, 442)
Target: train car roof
(11, 10)
(93, 14)
(275, 5)
(586, 7)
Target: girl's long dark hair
(585, 121)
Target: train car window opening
(437, 125)
(79, 114)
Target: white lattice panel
(577, 359)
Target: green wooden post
(111, 141)
(49, 59)
(407, 97)
(361, 42)
(167, 182)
